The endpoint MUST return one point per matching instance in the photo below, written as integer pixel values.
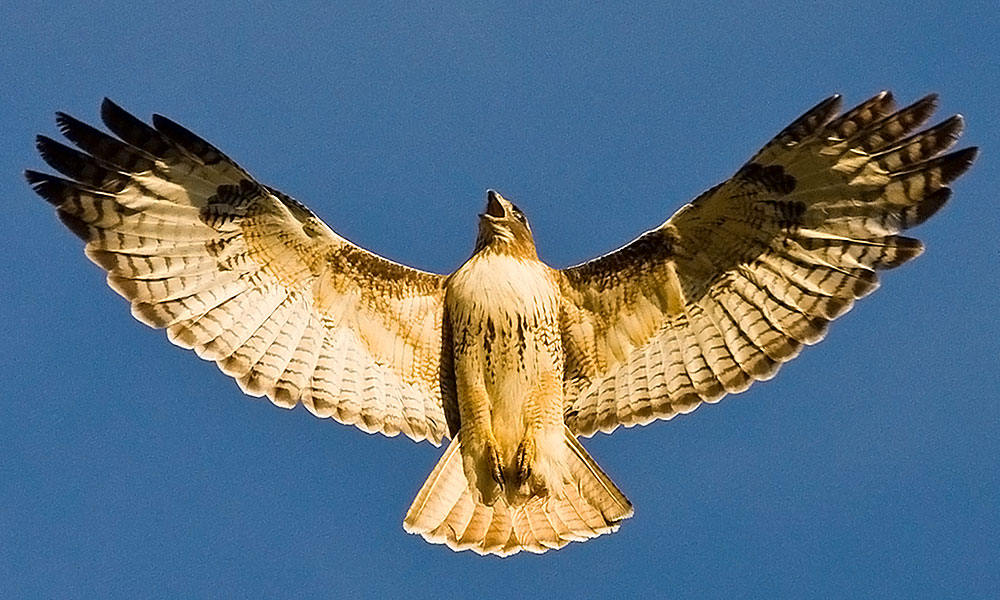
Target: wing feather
(740, 280)
(249, 277)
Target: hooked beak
(494, 207)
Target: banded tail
(445, 510)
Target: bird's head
(503, 228)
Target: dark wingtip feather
(930, 205)
(110, 110)
(186, 139)
(42, 142)
(44, 185)
(53, 190)
(116, 118)
(865, 283)
(955, 165)
(922, 109)
(76, 225)
(80, 167)
(814, 118)
(871, 110)
(906, 249)
(58, 156)
(885, 99)
(64, 121)
(825, 110)
(166, 124)
(930, 99)
(73, 128)
(952, 127)
(133, 131)
(122, 156)
(957, 123)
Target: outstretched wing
(736, 282)
(250, 278)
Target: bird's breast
(504, 320)
(500, 286)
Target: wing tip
(931, 100)
(35, 178)
(46, 185)
(930, 205)
(957, 163)
(109, 107)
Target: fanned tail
(445, 510)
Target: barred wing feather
(250, 278)
(736, 282)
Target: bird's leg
(482, 458)
(524, 458)
(539, 460)
(494, 460)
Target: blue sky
(867, 468)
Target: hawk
(509, 358)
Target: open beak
(494, 207)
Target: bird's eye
(518, 214)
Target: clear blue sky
(129, 468)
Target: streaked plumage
(508, 357)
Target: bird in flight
(509, 358)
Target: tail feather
(446, 511)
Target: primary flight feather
(509, 358)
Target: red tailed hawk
(508, 357)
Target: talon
(525, 456)
(495, 464)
